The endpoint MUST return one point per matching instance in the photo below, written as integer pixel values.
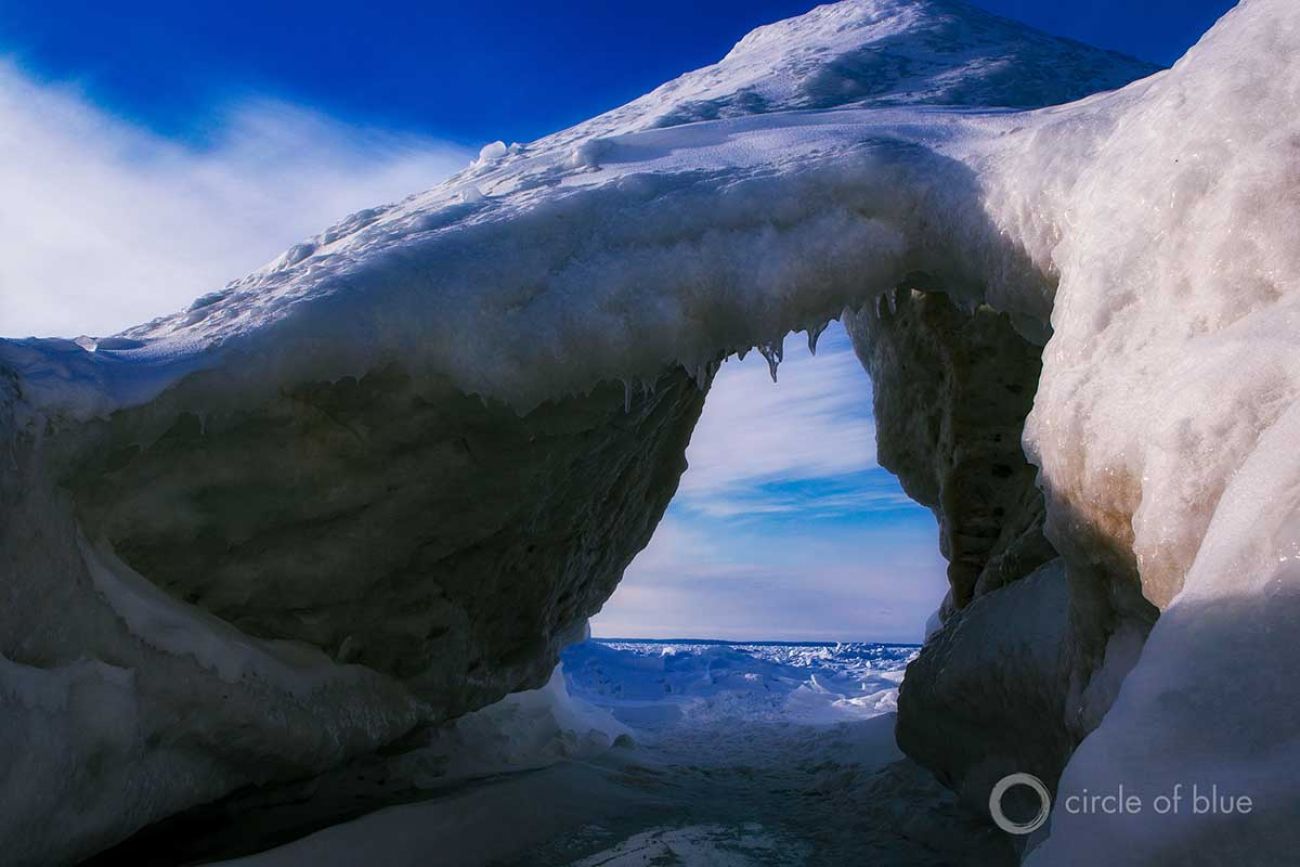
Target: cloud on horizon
(105, 224)
(784, 526)
(864, 582)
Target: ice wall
(370, 484)
(320, 516)
(1166, 426)
(952, 388)
(325, 571)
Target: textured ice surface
(1148, 232)
(712, 770)
(545, 267)
(683, 683)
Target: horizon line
(811, 643)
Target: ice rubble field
(650, 683)
(1150, 232)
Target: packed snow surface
(721, 754)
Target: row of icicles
(702, 374)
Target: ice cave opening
(754, 648)
(313, 545)
(784, 526)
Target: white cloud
(814, 423)
(784, 527)
(859, 583)
(104, 225)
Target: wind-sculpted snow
(618, 247)
(884, 53)
(1143, 238)
(678, 247)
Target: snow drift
(193, 515)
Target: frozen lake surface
(676, 752)
(655, 684)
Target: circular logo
(1000, 818)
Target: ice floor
(649, 753)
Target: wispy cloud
(104, 224)
(804, 444)
(865, 582)
(804, 498)
(784, 527)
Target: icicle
(740, 356)
(815, 332)
(773, 353)
(627, 397)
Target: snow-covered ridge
(547, 267)
(879, 53)
(1144, 238)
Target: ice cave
(381, 483)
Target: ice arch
(376, 482)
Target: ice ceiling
(381, 480)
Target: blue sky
(151, 152)
(784, 527)
(465, 72)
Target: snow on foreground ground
(1144, 237)
(673, 753)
